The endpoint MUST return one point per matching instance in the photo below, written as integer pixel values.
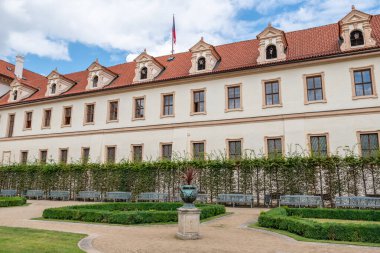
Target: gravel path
(227, 234)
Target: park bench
(357, 202)
(153, 196)
(8, 193)
(36, 194)
(235, 199)
(202, 198)
(301, 200)
(117, 196)
(90, 195)
(64, 195)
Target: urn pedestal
(188, 223)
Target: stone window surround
(85, 114)
(358, 133)
(109, 110)
(326, 134)
(228, 146)
(134, 107)
(133, 152)
(305, 77)
(263, 82)
(25, 120)
(196, 142)
(43, 117)
(266, 138)
(240, 85)
(162, 105)
(374, 91)
(192, 112)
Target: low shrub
(127, 213)
(12, 201)
(291, 219)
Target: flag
(174, 38)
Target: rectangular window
(43, 156)
(11, 124)
(369, 144)
(198, 101)
(46, 118)
(166, 151)
(234, 149)
(139, 108)
(318, 145)
(28, 120)
(111, 154)
(63, 155)
(137, 153)
(199, 150)
(272, 93)
(168, 105)
(274, 147)
(113, 110)
(233, 97)
(314, 88)
(363, 82)
(67, 116)
(85, 155)
(24, 157)
(90, 113)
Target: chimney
(19, 66)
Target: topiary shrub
(12, 201)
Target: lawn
(345, 221)
(24, 240)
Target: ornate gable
(147, 68)
(354, 25)
(19, 90)
(99, 76)
(272, 45)
(204, 57)
(57, 84)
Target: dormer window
(201, 63)
(144, 73)
(53, 88)
(356, 38)
(271, 52)
(95, 81)
(15, 95)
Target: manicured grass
(12, 201)
(24, 240)
(344, 221)
(304, 239)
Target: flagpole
(173, 38)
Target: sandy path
(223, 235)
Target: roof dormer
(99, 76)
(204, 57)
(272, 45)
(20, 90)
(355, 31)
(57, 84)
(147, 68)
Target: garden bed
(301, 221)
(127, 213)
(12, 201)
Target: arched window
(15, 95)
(95, 81)
(271, 52)
(144, 73)
(53, 88)
(201, 63)
(356, 38)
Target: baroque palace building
(310, 91)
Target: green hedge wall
(281, 218)
(127, 213)
(12, 201)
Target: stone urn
(188, 194)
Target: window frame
(21, 156)
(40, 155)
(162, 144)
(228, 147)
(353, 85)
(359, 133)
(106, 153)
(266, 146)
(306, 97)
(357, 46)
(326, 134)
(9, 125)
(109, 111)
(44, 118)
(162, 115)
(134, 107)
(63, 116)
(192, 111)
(26, 119)
(82, 154)
(60, 155)
(133, 152)
(266, 52)
(85, 114)
(264, 100)
(204, 65)
(95, 85)
(141, 74)
(226, 87)
(192, 143)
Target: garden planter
(188, 194)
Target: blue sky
(71, 34)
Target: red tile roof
(304, 44)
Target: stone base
(188, 223)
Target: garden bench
(301, 200)
(202, 198)
(37, 194)
(235, 199)
(64, 195)
(95, 195)
(115, 196)
(357, 202)
(8, 193)
(152, 196)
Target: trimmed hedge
(127, 213)
(12, 201)
(291, 220)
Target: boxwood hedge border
(12, 201)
